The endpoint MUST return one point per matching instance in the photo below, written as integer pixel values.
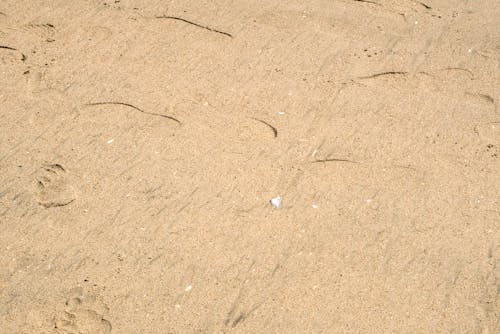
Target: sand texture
(141, 142)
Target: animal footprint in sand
(83, 315)
(53, 187)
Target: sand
(142, 141)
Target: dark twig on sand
(275, 131)
(23, 56)
(134, 107)
(195, 24)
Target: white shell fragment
(277, 202)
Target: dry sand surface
(141, 142)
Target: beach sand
(142, 141)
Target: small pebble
(277, 202)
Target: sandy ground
(141, 142)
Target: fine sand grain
(142, 141)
